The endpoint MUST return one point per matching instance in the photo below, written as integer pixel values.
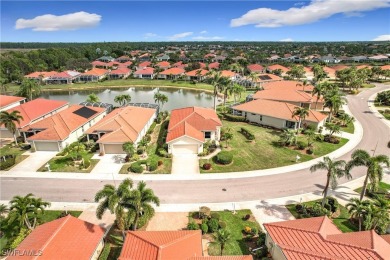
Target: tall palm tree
(318, 91)
(358, 209)
(38, 208)
(29, 89)
(140, 201)
(374, 168)
(114, 199)
(9, 120)
(225, 87)
(254, 76)
(216, 81)
(334, 100)
(381, 218)
(335, 170)
(221, 238)
(160, 99)
(236, 90)
(301, 113)
(122, 99)
(93, 98)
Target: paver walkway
(108, 164)
(185, 165)
(34, 161)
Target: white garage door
(113, 148)
(46, 146)
(185, 149)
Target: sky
(245, 20)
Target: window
(261, 118)
(207, 135)
(290, 124)
(253, 114)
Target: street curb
(373, 109)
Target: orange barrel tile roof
(163, 64)
(8, 100)
(280, 94)
(255, 68)
(96, 72)
(41, 74)
(214, 65)
(173, 71)
(277, 66)
(194, 73)
(145, 71)
(287, 84)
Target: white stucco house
(8, 102)
(190, 127)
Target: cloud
(180, 35)
(384, 37)
(203, 38)
(287, 40)
(150, 35)
(50, 22)
(299, 4)
(314, 11)
(203, 32)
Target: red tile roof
(277, 66)
(125, 64)
(228, 73)
(319, 238)
(120, 71)
(163, 64)
(272, 77)
(255, 68)
(123, 124)
(144, 64)
(173, 71)
(214, 65)
(287, 84)
(8, 100)
(202, 65)
(340, 67)
(41, 74)
(96, 72)
(64, 238)
(385, 67)
(226, 257)
(99, 63)
(193, 73)
(36, 109)
(145, 71)
(330, 71)
(277, 109)
(191, 121)
(288, 95)
(60, 125)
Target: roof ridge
(193, 110)
(189, 234)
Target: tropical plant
(160, 99)
(333, 129)
(9, 120)
(358, 209)
(227, 136)
(3, 209)
(216, 81)
(288, 137)
(92, 98)
(334, 100)
(319, 73)
(236, 90)
(374, 168)
(310, 136)
(301, 113)
(29, 89)
(346, 119)
(76, 149)
(122, 99)
(128, 148)
(334, 169)
(296, 72)
(221, 238)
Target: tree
(333, 129)
(334, 100)
(93, 98)
(381, 217)
(114, 199)
(335, 170)
(29, 89)
(254, 77)
(76, 149)
(9, 120)
(216, 81)
(319, 73)
(225, 86)
(3, 209)
(296, 72)
(288, 137)
(236, 90)
(128, 148)
(374, 168)
(346, 119)
(122, 99)
(160, 98)
(139, 203)
(227, 136)
(358, 209)
(301, 113)
(221, 238)
(319, 91)
(310, 135)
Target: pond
(177, 98)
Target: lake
(177, 98)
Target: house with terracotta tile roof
(163, 65)
(172, 73)
(40, 76)
(126, 64)
(105, 59)
(198, 74)
(123, 59)
(276, 114)
(318, 238)
(288, 85)
(93, 75)
(265, 78)
(145, 73)
(125, 124)
(190, 127)
(213, 66)
(32, 112)
(168, 245)
(145, 57)
(385, 67)
(56, 132)
(8, 102)
(272, 68)
(256, 68)
(330, 72)
(229, 74)
(119, 73)
(113, 64)
(64, 238)
(99, 64)
(64, 77)
(143, 65)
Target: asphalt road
(376, 135)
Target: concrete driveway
(164, 221)
(34, 161)
(108, 163)
(185, 164)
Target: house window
(290, 124)
(207, 135)
(253, 114)
(261, 118)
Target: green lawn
(235, 225)
(368, 85)
(263, 153)
(382, 189)
(342, 221)
(8, 149)
(350, 128)
(64, 164)
(50, 215)
(386, 115)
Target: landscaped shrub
(247, 230)
(222, 224)
(151, 128)
(254, 231)
(20, 237)
(192, 225)
(204, 228)
(160, 163)
(215, 215)
(299, 208)
(207, 166)
(331, 139)
(261, 252)
(148, 138)
(162, 152)
(224, 157)
(140, 150)
(204, 212)
(233, 118)
(333, 204)
(87, 164)
(153, 164)
(213, 224)
(316, 211)
(310, 150)
(248, 134)
(9, 162)
(261, 240)
(136, 168)
(301, 145)
(246, 217)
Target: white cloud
(180, 35)
(287, 40)
(314, 11)
(203, 32)
(50, 22)
(150, 35)
(203, 38)
(384, 37)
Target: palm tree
(254, 77)
(29, 89)
(9, 120)
(381, 217)
(346, 119)
(3, 209)
(302, 113)
(221, 238)
(93, 98)
(38, 208)
(113, 199)
(139, 203)
(335, 170)
(334, 101)
(333, 129)
(160, 98)
(236, 90)
(310, 135)
(374, 168)
(225, 87)
(358, 209)
(122, 99)
(318, 91)
(216, 81)
(288, 137)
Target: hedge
(224, 157)
(248, 134)
(153, 164)
(136, 167)
(234, 118)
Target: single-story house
(318, 238)
(145, 73)
(56, 132)
(65, 77)
(255, 68)
(32, 112)
(340, 67)
(179, 64)
(172, 73)
(40, 76)
(123, 59)
(93, 75)
(162, 57)
(168, 245)
(163, 65)
(99, 64)
(126, 64)
(213, 66)
(120, 73)
(229, 74)
(143, 65)
(190, 127)
(145, 57)
(272, 68)
(382, 58)
(8, 102)
(308, 73)
(276, 114)
(64, 238)
(198, 74)
(219, 58)
(125, 124)
(105, 59)
(288, 84)
(113, 64)
(265, 78)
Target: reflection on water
(176, 97)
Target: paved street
(376, 135)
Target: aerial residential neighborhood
(209, 130)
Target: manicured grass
(235, 225)
(350, 128)
(382, 189)
(368, 85)
(263, 153)
(3, 243)
(50, 215)
(64, 164)
(383, 113)
(342, 221)
(8, 149)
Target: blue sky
(95, 21)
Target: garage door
(46, 146)
(113, 148)
(185, 149)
